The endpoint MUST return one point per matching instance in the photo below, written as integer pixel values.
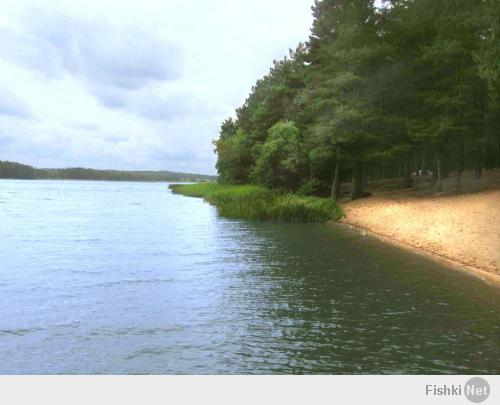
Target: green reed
(258, 203)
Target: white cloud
(11, 106)
(133, 85)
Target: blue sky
(133, 84)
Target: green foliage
(234, 150)
(377, 91)
(271, 101)
(294, 208)
(280, 158)
(12, 170)
(259, 203)
(221, 193)
(313, 187)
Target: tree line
(13, 170)
(377, 91)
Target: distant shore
(19, 171)
(461, 230)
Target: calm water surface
(99, 277)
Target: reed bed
(258, 203)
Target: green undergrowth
(259, 203)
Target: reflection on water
(100, 277)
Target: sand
(465, 228)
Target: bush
(313, 187)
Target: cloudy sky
(133, 84)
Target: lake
(127, 278)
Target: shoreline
(484, 275)
(461, 231)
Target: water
(102, 277)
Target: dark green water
(100, 277)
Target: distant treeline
(376, 92)
(13, 170)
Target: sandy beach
(463, 229)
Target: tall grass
(258, 203)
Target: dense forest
(12, 170)
(377, 91)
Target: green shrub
(313, 187)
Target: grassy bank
(258, 203)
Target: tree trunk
(417, 166)
(364, 178)
(434, 172)
(407, 180)
(356, 184)
(478, 173)
(458, 181)
(460, 168)
(439, 175)
(335, 194)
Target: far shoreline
(111, 181)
